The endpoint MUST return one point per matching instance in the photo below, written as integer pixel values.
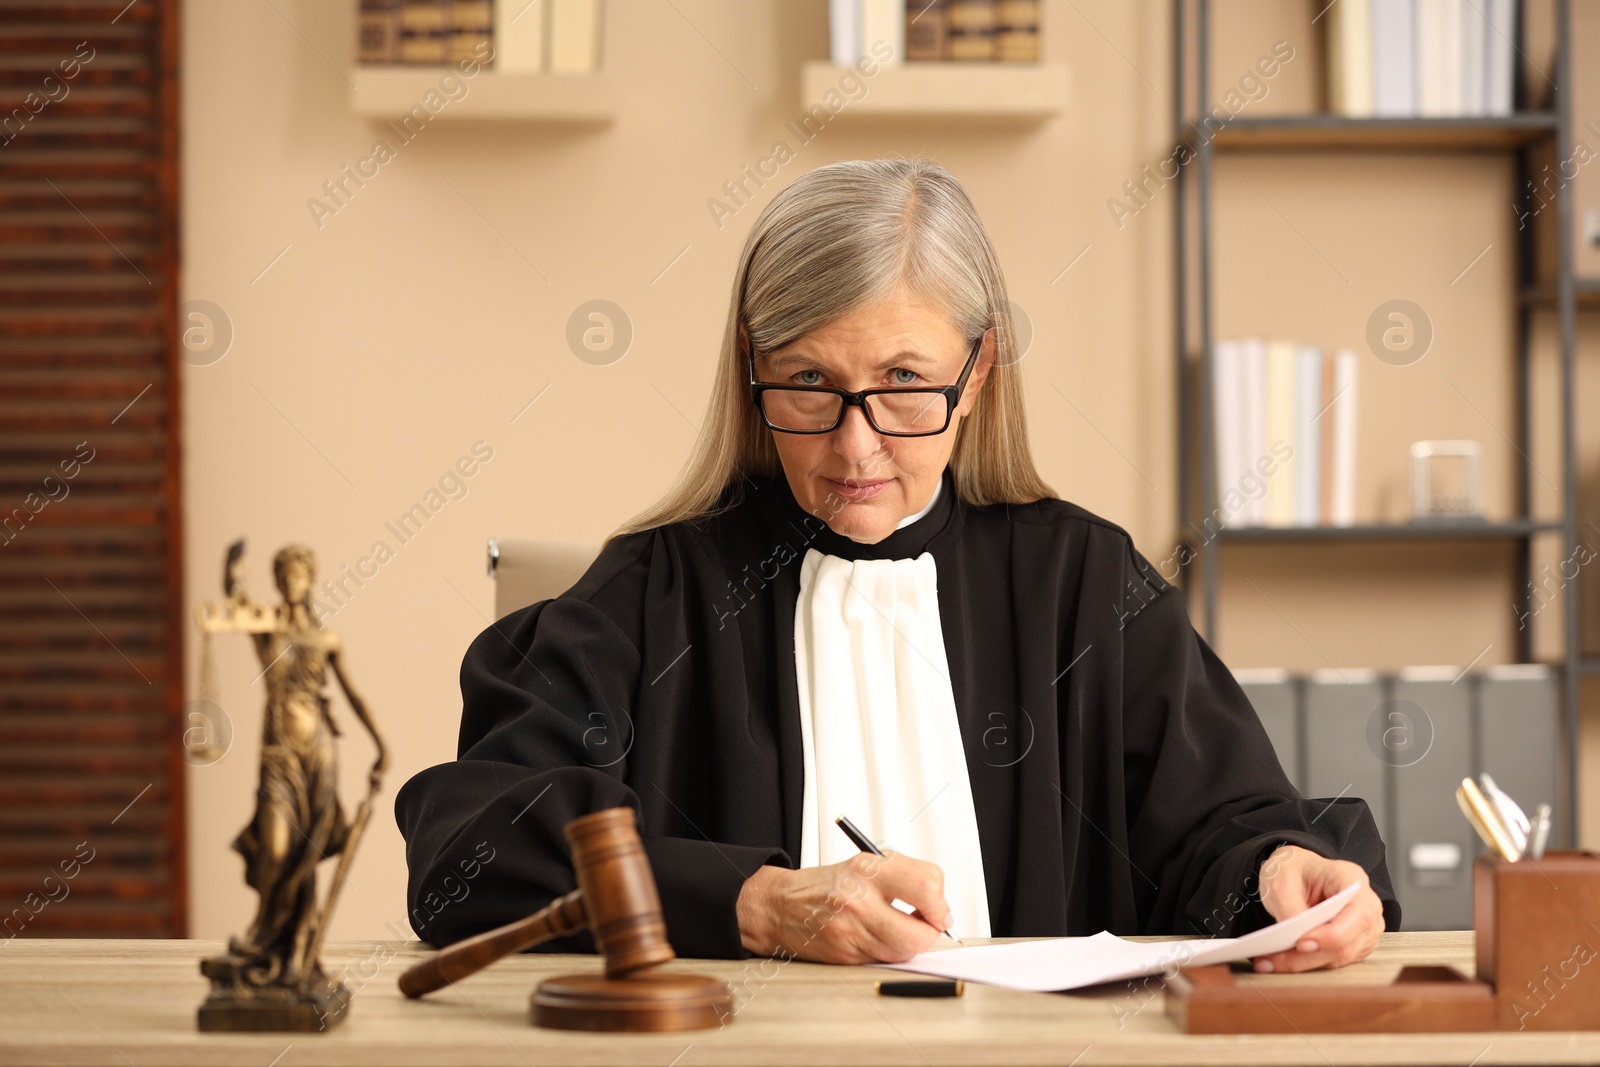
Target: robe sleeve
(1207, 799)
(542, 691)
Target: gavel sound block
(616, 900)
(1538, 959)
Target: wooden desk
(132, 1003)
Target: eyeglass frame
(951, 393)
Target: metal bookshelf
(1514, 530)
(1518, 134)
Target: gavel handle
(562, 916)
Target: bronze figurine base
(649, 1002)
(237, 1006)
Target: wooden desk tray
(1207, 1000)
(1538, 968)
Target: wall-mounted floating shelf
(392, 93)
(1018, 92)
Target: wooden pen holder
(1537, 926)
(1538, 943)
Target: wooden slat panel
(135, 689)
(93, 13)
(81, 164)
(116, 851)
(117, 109)
(104, 606)
(125, 730)
(71, 292)
(85, 537)
(91, 195)
(80, 352)
(91, 604)
(120, 568)
(53, 634)
(84, 817)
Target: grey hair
(837, 239)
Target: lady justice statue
(272, 979)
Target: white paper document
(1073, 962)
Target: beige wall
(385, 342)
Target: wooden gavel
(617, 902)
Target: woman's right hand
(842, 913)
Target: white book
(1280, 432)
(1343, 413)
(1394, 58)
(574, 36)
(1430, 57)
(844, 32)
(1499, 60)
(1227, 396)
(1307, 435)
(1350, 58)
(883, 20)
(1474, 71)
(1253, 369)
(1452, 50)
(519, 35)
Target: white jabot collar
(879, 728)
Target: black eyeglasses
(908, 412)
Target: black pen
(864, 843)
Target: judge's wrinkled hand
(841, 913)
(1292, 880)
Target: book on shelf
(1474, 63)
(1307, 461)
(1253, 395)
(523, 36)
(425, 31)
(471, 29)
(519, 35)
(574, 35)
(883, 30)
(378, 30)
(1016, 31)
(1342, 467)
(1500, 51)
(1440, 37)
(1350, 59)
(1325, 441)
(971, 29)
(1421, 58)
(933, 31)
(1284, 434)
(1228, 403)
(1394, 59)
(844, 32)
(926, 30)
(1281, 437)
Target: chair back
(526, 571)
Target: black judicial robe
(1120, 777)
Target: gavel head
(619, 891)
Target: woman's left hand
(1292, 880)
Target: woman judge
(861, 599)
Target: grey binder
(1339, 762)
(1519, 723)
(1272, 693)
(1431, 853)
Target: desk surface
(133, 1003)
